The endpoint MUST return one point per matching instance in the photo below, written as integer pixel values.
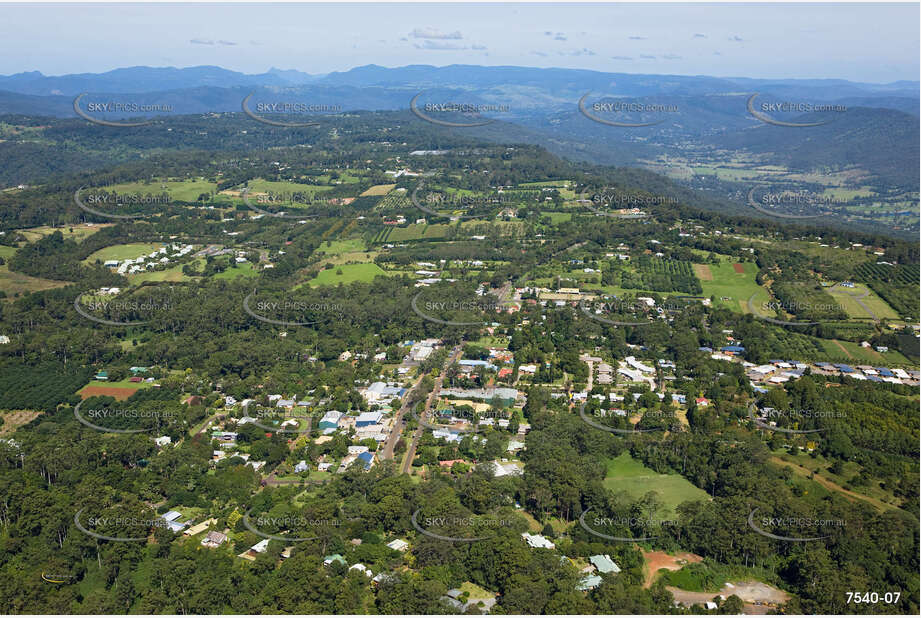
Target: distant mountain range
(878, 134)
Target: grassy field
(855, 354)
(738, 287)
(18, 283)
(337, 247)
(271, 186)
(849, 470)
(7, 252)
(846, 298)
(180, 190)
(378, 190)
(349, 273)
(628, 475)
(122, 252)
(558, 217)
(246, 269)
(76, 232)
(170, 274)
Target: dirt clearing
(656, 560)
(703, 272)
(118, 392)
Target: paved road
(397, 429)
(411, 453)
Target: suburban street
(411, 453)
(396, 430)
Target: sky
(871, 42)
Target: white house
(537, 541)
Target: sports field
(629, 475)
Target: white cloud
(434, 33)
(439, 45)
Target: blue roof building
(366, 457)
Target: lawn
(122, 252)
(629, 475)
(350, 273)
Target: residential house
(214, 539)
(537, 541)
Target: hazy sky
(863, 42)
